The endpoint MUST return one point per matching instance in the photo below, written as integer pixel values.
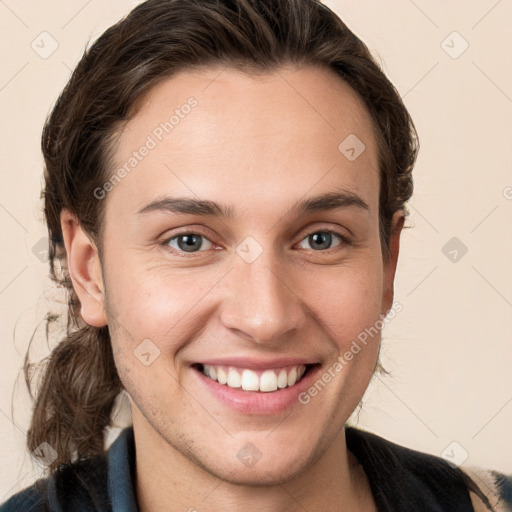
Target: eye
(321, 240)
(188, 242)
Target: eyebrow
(186, 205)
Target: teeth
(222, 378)
(292, 377)
(212, 373)
(249, 380)
(234, 379)
(282, 379)
(268, 381)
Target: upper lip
(257, 363)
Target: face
(226, 316)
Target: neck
(166, 480)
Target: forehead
(217, 132)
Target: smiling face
(264, 289)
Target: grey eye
(188, 242)
(322, 240)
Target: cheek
(155, 302)
(346, 299)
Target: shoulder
(31, 499)
(81, 485)
(409, 478)
(496, 486)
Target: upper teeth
(249, 380)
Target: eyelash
(345, 241)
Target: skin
(258, 144)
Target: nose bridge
(259, 302)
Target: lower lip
(258, 402)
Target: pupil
(190, 242)
(324, 239)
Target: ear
(390, 266)
(84, 269)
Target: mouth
(268, 380)
(256, 386)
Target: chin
(250, 467)
(263, 476)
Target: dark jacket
(401, 480)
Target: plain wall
(449, 350)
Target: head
(260, 108)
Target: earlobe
(84, 269)
(390, 266)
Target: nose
(260, 303)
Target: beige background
(449, 350)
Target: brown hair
(80, 383)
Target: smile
(247, 379)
